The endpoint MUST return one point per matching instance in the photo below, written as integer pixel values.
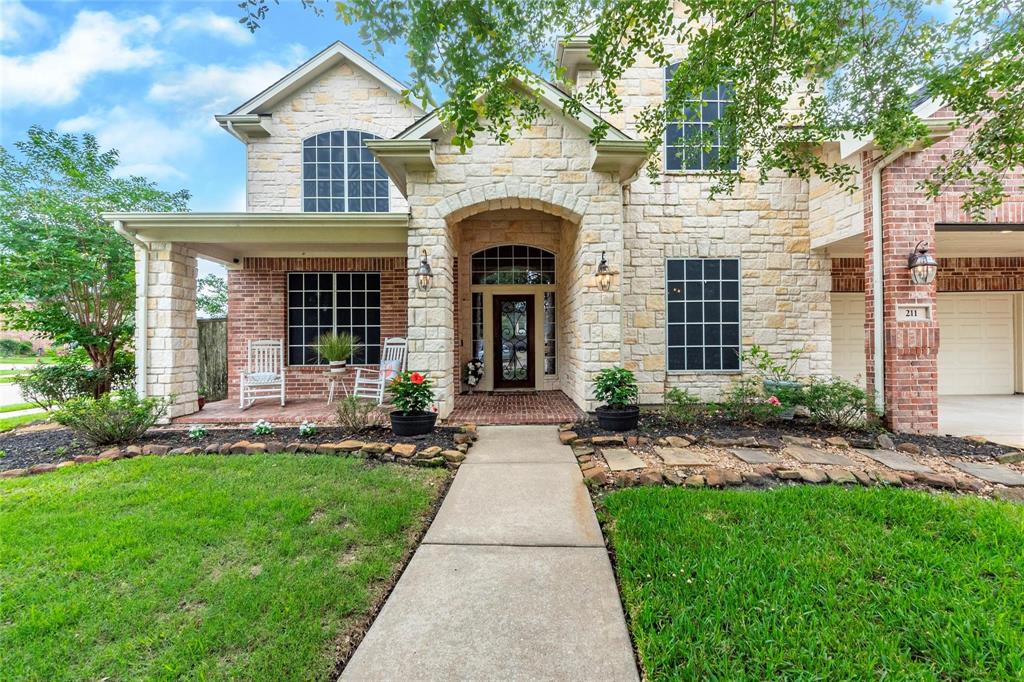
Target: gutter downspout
(876, 276)
(141, 312)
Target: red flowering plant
(411, 392)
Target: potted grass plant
(412, 393)
(616, 388)
(337, 349)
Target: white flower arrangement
(262, 428)
(474, 371)
(307, 429)
(197, 432)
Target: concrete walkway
(512, 581)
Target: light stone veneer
(172, 335)
(547, 169)
(344, 98)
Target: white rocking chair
(370, 383)
(264, 373)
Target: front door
(513, 341)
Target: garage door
(975, 344)
(848, 337)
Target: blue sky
(147, 78)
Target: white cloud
(95, 43)
(216, 88)
(216, 25)
(148, 146)
(18, 22)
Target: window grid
(549, 332)
(685, 139)
(703, 314)
(326, 302)
(513, 265)
(339, 174)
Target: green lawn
(23, 360)
(17, 406)
(820, 583)
(8, 423)
(199, 567)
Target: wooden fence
(213, 358)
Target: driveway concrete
(512, 581)
(1000, 418)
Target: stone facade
(344, 98)
(171, 353)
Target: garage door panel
(975, 344)
(848, 358)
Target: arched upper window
(513, 265)
(693, 143)
(339, 174)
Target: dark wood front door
(513, 341)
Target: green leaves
(805, 72)
(64, 272)
(616, 387)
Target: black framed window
(325, 302)
(703, 314)
(339, 174)
(693, 143)
(514, 264)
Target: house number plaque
(913, 313)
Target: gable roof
(548, 93)
(334, 54)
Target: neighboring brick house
(347, 187)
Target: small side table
(334, 378)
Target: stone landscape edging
(597, 475)
(399, 453)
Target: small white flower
(197, 432)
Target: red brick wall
(908, 216)
(258, 309)
(955, 274)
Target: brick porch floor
(540, 407)
(295, 411)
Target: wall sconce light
(604, 274)
(923, 266)
(424, 276)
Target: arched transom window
(513, 265)
(339, 174)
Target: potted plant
(616, 388)
(411, 393)
(337, 349)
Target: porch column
(166, 334)
(431, 331)
(909, 315)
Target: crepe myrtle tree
(801, 72)
(64, 273)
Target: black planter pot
(618, 418)
(415, 424)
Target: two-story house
(349, 189)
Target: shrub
(357, 415)
(72, 376)
(411, 392)
(616, 387)
(683, 407)
(10, 347)
(837, 402)
(767, 367)
(747, 402)
(307, 429)
(115, 417)
(262, 428)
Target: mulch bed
(655, 425)
(26, 447)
